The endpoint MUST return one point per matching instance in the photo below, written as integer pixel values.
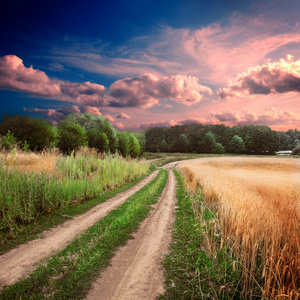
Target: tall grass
(34, 184)
(258, 207)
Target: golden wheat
(258, 204)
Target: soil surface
(22, 260)
(136, 270)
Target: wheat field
(258, 206)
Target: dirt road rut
(20, 261)
(136, 270)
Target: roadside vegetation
(256, 204)
(198, 265)
(69, 273)
(33, 185)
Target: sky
(151, 63)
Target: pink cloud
(14, 75)
(123, 116)
(272, 116)
(146, 90)
(60, 113)
(109, 118)
(169, 123)
(274, 77)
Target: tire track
(136, 271)
(19, 262)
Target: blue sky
(153, 63)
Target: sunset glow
(182, 62)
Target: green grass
(28, 232)
(197, 266)
(27, 196)
(69, 273)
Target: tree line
(248, 139)
(32, 134)
(75, 131)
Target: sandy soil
(136, 271)
(20, 261)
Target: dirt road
(136, 271)
(20, 261)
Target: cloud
(59, 113)
(272, 116)
(169, 123)
(282, 76)
(109, 118)
(146, 90)
(123, 116)
(212, 53)
(15, 76)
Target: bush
(296, 150)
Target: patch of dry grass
(258, 204)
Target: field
(32, 185)
(257, 205)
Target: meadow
(34, 184)
(256, 202)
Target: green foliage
(203, 139)
(296, 150)
(124, 143)
(135, 148)
(236, 145)
(71, 136)
(218, 148)
(8, 141)
(26, 196)
(163, 146)
(142, 140)
(26, 147)
(182, 144)
(38, 133)
(98, 140)
(89, 121)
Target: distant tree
(71, 136)
(135, 148)
(182, 144)
(38, 133)
(153, 138)
(236, 145)
(163, 146)
(209, 142)
(88, 121)
(142, 140)
(98, 140)
(218, 148)
(123, 143)
(296, 150)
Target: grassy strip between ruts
(197, 267)
(69, 273)
(55, 217)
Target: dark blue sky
(105, 41)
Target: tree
(71, 136)
(134, 148)
(163, 146)
(296, 150)
(123, 143)
(236, 145)
(38, 133)
(182, 143)
(209, 141)
(88, 121)
(98, 140)
(218, 148)
(8, 141)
